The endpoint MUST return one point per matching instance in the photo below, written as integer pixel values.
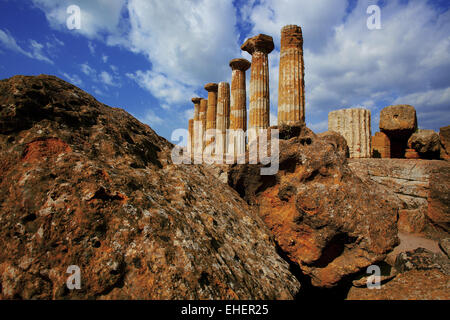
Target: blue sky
(150, 57)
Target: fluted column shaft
(196, 129)
(190, 142)
(202, 118)
(259, 91)
(291, 85)
(238, 102)
(354, 126)
(222, 116)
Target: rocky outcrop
(421, 186)
(420, 274)
(324, 218)
(426, 143)
(88, 185)
(411, 285)
(444, 136)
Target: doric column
(222, 117)
(238, 109)
(238, 102)
(210, 118)
(291, 84)
(196, 135)
(259, 47)
(202, 124)
(354, 126)
(212, 105)
(190, 142)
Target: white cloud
(74, 79)
(151, 118)
(169, 90)
(36, 48)
(87, 70)
(106, 78)
(104, 58)
(98, 17)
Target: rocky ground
(89, 185)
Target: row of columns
(226, 108)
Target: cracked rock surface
(89, 185)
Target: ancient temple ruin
(222, 117)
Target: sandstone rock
(381, 146)
(421, 186)
(323, 217)
(411, 154)
(422, 259)
(439, 197)
(411, 285)
(444, 244)
(426, 143)
(444, 135)
(398, 123)
(88, 185)
(337, 140)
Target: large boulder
(398, 122)
(444, 135)
(88, 185)
(324, 218)
(438, 210)
(421, 186)
(426, 143)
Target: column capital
(196, 100)
(261, 42)
(240, 64)
(211, 87)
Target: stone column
(238, 103)
(190, 142)
(211, 116)
(291, 84)
(222, 117)
(197, 122)
(212, 105)
(202, 124)
(238, 106)
(259, 47)
(354, 126)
